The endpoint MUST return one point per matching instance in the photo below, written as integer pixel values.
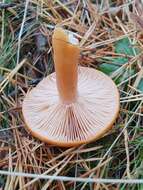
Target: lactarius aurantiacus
(74, 105)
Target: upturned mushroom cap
(91, 113)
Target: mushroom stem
(66, 54)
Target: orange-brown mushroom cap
(81, 121)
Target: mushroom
(75, 104)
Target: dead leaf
(137, 20)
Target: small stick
(6, 5)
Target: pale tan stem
(66, 57)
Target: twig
(77, 179)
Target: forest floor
(111, 39)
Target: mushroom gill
(73, 105)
